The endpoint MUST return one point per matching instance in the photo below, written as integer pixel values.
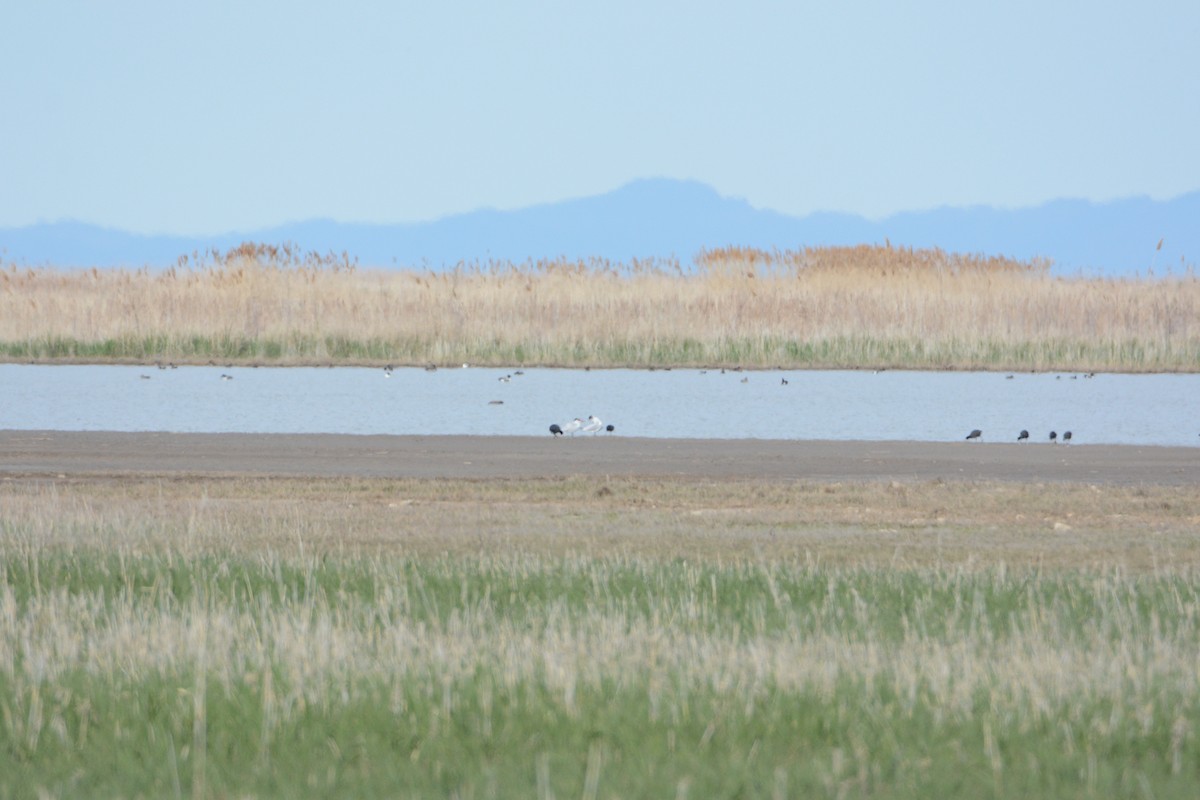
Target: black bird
(975, 434)
(1067, 436)
(1053, 436)
(609, 427)
(1023, 436)
(555, 430)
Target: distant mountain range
(662, 218)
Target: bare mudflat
(475, 457)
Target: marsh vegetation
(567, 638)
(819, 308)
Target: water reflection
(679, 403)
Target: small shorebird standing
(1053, 437)
(1067, 436)
(1022, 436)
(555, 430)
(975, 434)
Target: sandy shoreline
(489, 457)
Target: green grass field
(234, 639)
(527, 676)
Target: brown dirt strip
(491, 457)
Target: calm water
(896, 405)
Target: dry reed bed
(835, 307)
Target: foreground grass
(556, 638)
(824, 308)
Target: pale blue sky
(200, 118)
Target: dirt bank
(483, 457)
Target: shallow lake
(678, 403)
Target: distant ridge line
(665, 218)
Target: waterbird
(1067, 436)
(783, 382)
(572, 426)
(975, 434)
(1022, 436)
(1053, 436)
(593, 424)
(226, 377)
(505, 378)
(609, 428)
(555, 430)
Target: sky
(203, 118)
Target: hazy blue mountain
(662, 218)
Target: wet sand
(25, 453)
